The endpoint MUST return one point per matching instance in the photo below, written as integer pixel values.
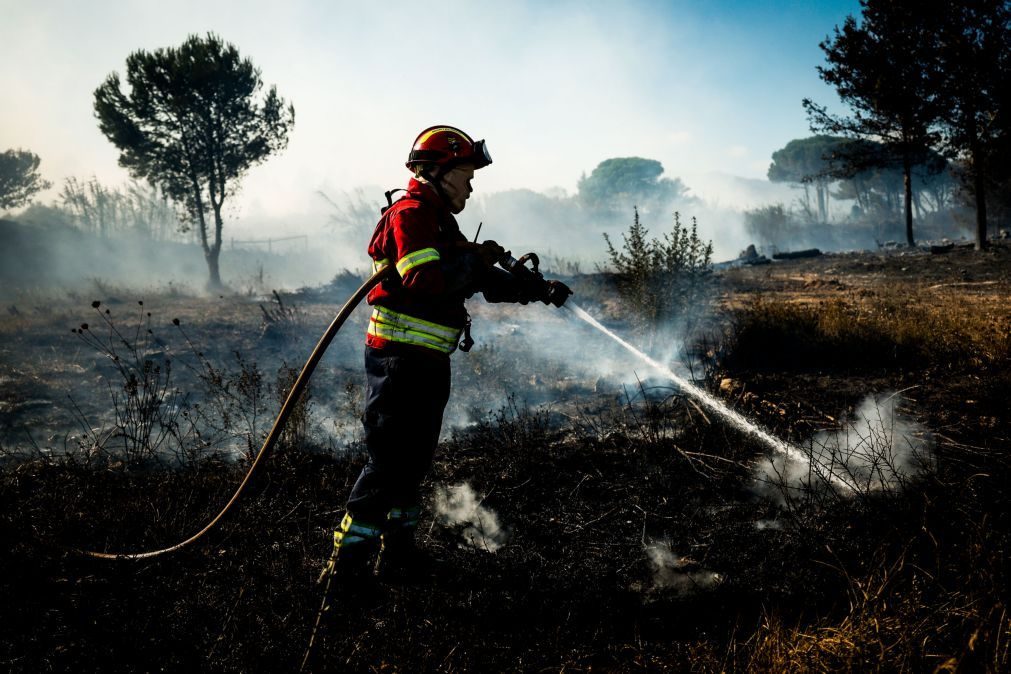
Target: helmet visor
(481, 155)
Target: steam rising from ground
(718, 407)
(458, 505)
(677, 573)
(879, 448)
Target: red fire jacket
(418, 305)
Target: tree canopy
(883, 68)
(623, 182)
(19, 178)
(809, 161)
(193, 122)
(861, 170)
(974, 56)
(922, 76)
(804, 160)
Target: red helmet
(446, 147)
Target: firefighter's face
(456, 185)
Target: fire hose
(550, 293)
(275, 431)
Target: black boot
(349, 575)
(401, 560)
(357, 562)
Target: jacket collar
(425, 192)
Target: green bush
(660, 279)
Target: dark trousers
(406, 395)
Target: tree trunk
(210, 252)
(214, 282)
(828, 200)
(907, 185)
(820, 191)
(863, 196)
(979, 187)
(215, 249)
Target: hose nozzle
(549, 292)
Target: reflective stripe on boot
(401, 559)
(358, 539)
(404, 518)
(398, 539)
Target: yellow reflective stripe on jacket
(379, 264)
(397, 327)
(383, 315)
(409, 337)
(412, 260)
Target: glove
(491, 252)
(556, 293)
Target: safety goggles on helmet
(481, 154)
(446, 147)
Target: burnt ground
(633, 533)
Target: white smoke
(680, 574)
(458, 505)
(878, 448)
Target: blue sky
(554, 87)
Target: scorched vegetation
(584, 513)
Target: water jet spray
(717, 406)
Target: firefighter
(418, 319)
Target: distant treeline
(45, 255)
(823, 170)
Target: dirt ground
(615, 525)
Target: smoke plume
(459, 506)
(677, 573)
(878, 448)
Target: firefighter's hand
(491, 252)
(557, 293)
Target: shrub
(771, 225)
(660, 279)
(296, 431)
(108, 211)
(281, 321)
(146, 407)
(155, 416)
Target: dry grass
(880, 330)
(899, 620)
(910, 580)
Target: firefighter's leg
(400, 552)
(369, 503)
(387, 424)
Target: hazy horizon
(555, 88)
